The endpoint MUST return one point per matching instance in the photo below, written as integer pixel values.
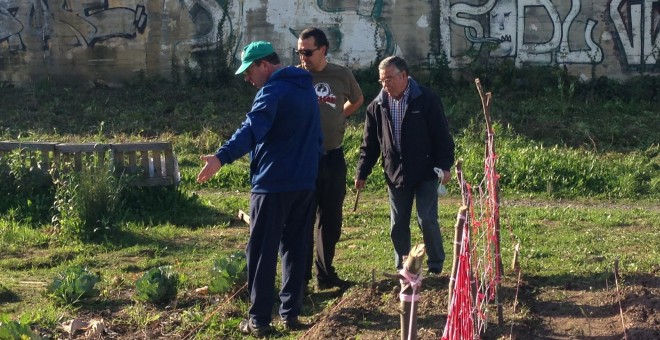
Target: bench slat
(154, 161)
(35, 146)
(132, 165)
(156, 146)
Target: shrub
(158, 285)
(88, 203)
(526, 166)
(73, 284)
(25, 188)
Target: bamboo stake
(412, 265)
(458, 239)
(515, 266)
(616, 281)
(493, 195)
(467, 203)
(458, 230)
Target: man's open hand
(211, 166)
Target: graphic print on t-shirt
(325, 95)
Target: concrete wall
(112, 40)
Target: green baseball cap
(253, 51)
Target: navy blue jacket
(425, 139)
(282, 133)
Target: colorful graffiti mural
(526, 30)
(114, 38)
(637, 26)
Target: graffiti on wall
(354, 29)
(98, 21)
(73, 36)
(637, 25)
(526, 30)
(15, 16)
(211, 24)
(356, 32)
(11, 28)
(95, 21)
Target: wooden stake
(357, 199)
(243, 216)
(412, 264)
(458, 240)
(616, 281)
(494, 196)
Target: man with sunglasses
(339, 96)
(282, 133)
(405, 125)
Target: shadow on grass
(7, 295)
(169, 204)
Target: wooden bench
(147, 163)
(38, 154)
(157, 164)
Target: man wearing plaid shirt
(406, 126)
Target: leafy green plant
(158, 285)
(227, 272)
(15, 329)
(73, 284)
(88, 203)
(25, 187)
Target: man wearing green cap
(282, 133)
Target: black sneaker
(292, 324)
(433, 271)
(249, 328)
(333, 282)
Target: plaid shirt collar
(397, 112)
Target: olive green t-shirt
(334, 85)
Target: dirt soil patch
(541, 312)
(372, 311)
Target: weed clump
(88, 203)
(26, 188)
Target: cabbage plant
(73, 284)
(226, 272)
(158, 285)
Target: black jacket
(425, 139)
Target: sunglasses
(307, 53)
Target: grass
(578, 194)
(561, 243)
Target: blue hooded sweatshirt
(282, 133)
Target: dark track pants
(330, 193)
(278, 222)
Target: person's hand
(447, 177)
(359, 184)
(211, 166)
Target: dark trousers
(425, 195)
(330, 193)
(278, 222)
